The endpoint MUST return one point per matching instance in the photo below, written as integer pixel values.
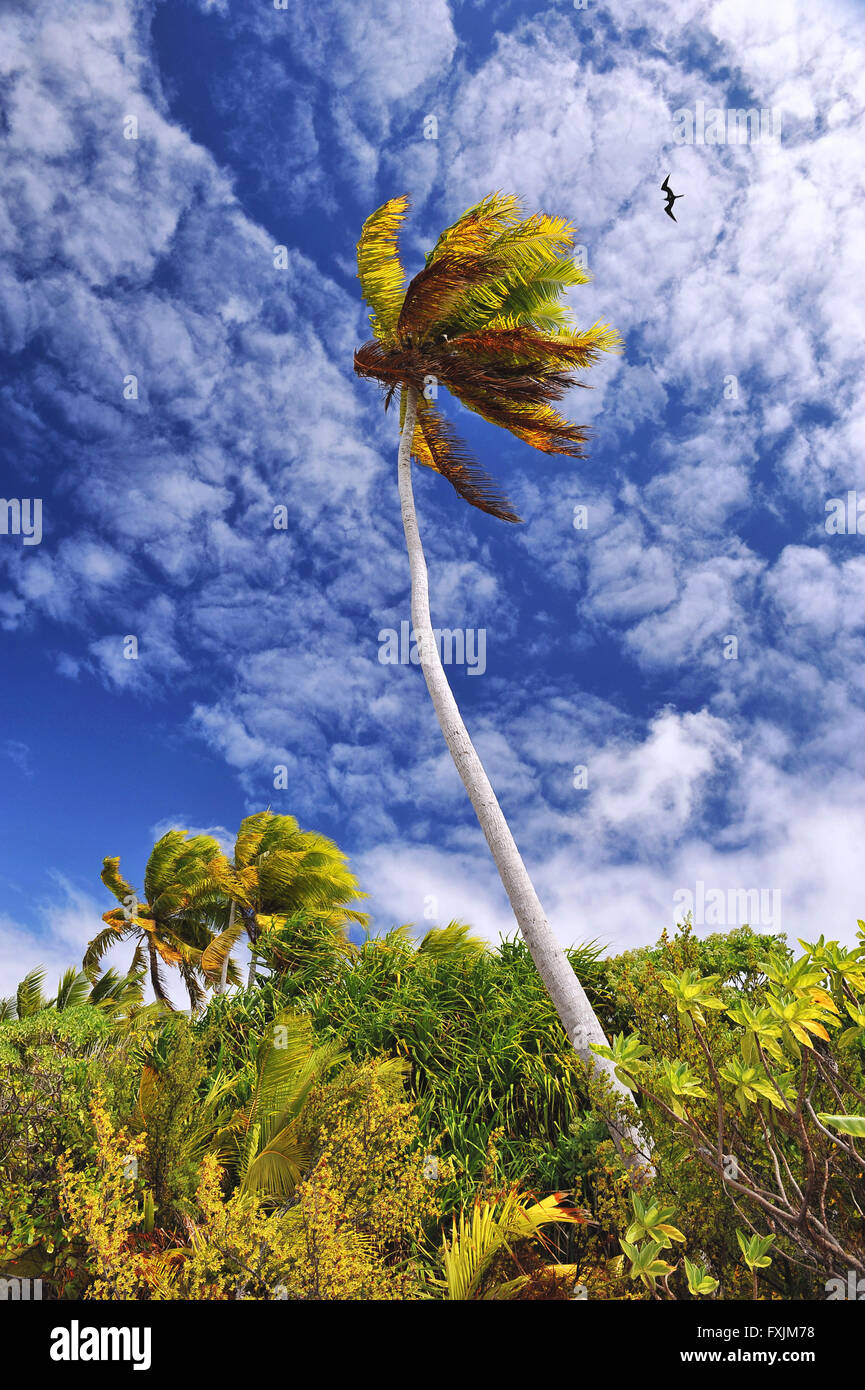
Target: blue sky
(607, 648)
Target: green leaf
(845, 1124)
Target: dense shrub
(403, 1119)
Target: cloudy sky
(168, 379)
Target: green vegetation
(406, 1119)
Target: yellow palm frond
(214, 954)
(493, 1227)
(114, 880)
(420, 449)
(478, 226)
(278, 1169)
(540, 234)
(382, 279)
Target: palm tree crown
(484, 318)
(279, 871)
(169, 926)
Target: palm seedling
(477, 1240)
(484, 318)
(265, 1143)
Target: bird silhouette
(671, 197)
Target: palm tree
(111, 993)
(280, 871)
(484, 318)
(170, 926)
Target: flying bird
(671, 197)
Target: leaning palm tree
(278, 872)
(170, 926)
(484, 318)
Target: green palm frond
(285, 868)
(103, 942)
(161, 863)
(178, 862)
(73, 989)
(116, 993)
(270, 1153)
(286, 1067)
(454, 942)
(29, 998)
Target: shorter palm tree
(170, 927)
(280, 871)
(114, 994)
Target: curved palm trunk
(155, 981)
(223, 978)
(565, 990)
(252, 933)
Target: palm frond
(453, 942)
(478, 226)
(378, 266)
(161, 863)
(214, 956)
(537, 424)
(29, 998)
(73, 989)
(114, 880)
(277, 1169)
(116, 993)
(250, 837)
(435, 293)
(116, 931)
(521, 344)
(491, 1228)
(443, 450)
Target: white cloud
(67, 923)
(246, 402)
